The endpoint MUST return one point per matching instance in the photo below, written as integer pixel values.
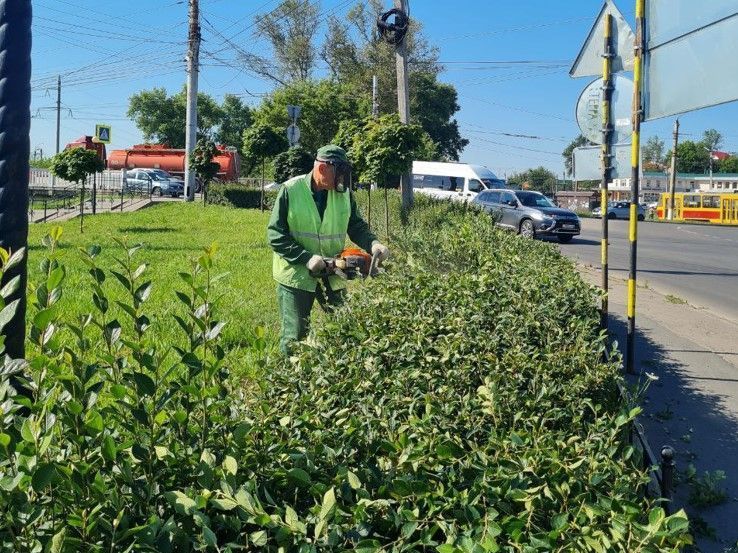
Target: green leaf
(224, 504)
(57, 542)
(209, 537)
(4, 439)
(43, 476)
(7, 313)
(329, 503)
(162, 452)
(108, 449)
(42, 319)
(446, 548)
(290, 517)
(55, 278)
(354, 481)
(259, 538)
(143, 292)
(27, 430)
(94, 421)
(119, 391)
(144, 384)
(181, 502)
(11, 287)
(230, 465)
(299, 476)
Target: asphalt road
(697, 263)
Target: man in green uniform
(311, 218)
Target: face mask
(342, 172)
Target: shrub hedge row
(240, 196)
(458, 403)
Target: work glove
(380, 250)
(316, 264)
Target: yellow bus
(720, 209)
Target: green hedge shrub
(456, 404)
(240, 196)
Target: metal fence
(101, 192)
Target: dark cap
(332, 153)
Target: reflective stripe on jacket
(326, 238)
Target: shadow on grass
(147, 230)
(692, 421)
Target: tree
(578, 142)
(653, 152)
(75, 165)
(692, 157)
(728, 165)
(259, 143)
(163, 119)
(385, 149)
(290, 28)
(324, 105)
(712, 139)
(295, 161)
(201, 162)
(235, 117)
(355, 52)
(432, 106)
(540, 179)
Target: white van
(456, 181)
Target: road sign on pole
(293, 135)
(589, 60)
(294, 112)
(689, 62)
(103, 134)
(590, 110)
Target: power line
(515, 108)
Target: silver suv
(530, 213)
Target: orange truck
(160, 156)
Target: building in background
(655, 184)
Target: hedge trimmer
(350, 264)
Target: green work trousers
(294, 309)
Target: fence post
(667, 476)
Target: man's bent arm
(278, 233)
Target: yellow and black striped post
(635, 181)
(607, 136)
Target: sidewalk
(694, 404)
(58, 216)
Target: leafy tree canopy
(76, 164)
(385, 148)
(295, 161)
(163, 118)
(569, 152)
(540, 179)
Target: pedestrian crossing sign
(102, 134)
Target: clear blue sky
(109, 49)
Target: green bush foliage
(238, 195)
(459, 403)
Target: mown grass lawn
(171, 235)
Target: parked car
(154, 181)
(529, 213)
(619, 210)
(453, 181)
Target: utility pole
(403, 101)
(193, 67)
(58, 123)
(673, 175)
(375, 96)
